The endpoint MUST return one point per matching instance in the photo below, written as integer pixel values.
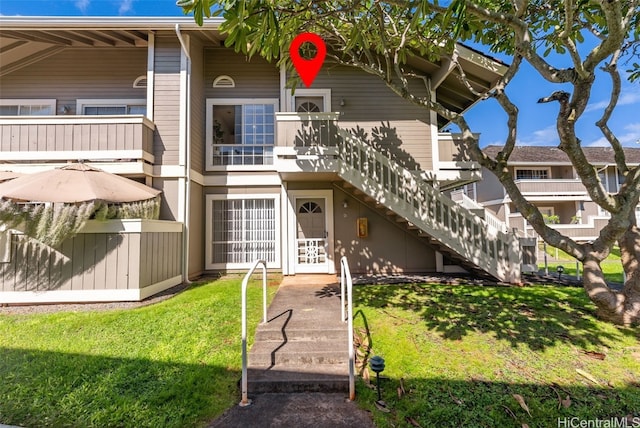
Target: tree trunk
(620, 307)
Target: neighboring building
(249, 168)
(546, 177)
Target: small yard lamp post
(377, 365)
(560, 269)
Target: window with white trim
(532, 174)
(242, 230)
(44, 107)
(112, 107)
(240, 131)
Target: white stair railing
(468, 203)
(463, 232)
(346, 293)
(245, 399)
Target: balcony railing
(550, 187)
(587, 231)
(300, 135)
(63, 138)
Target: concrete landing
(303, 346)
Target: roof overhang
(26, 40)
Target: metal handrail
(245, 400)
(346, 282)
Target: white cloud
(629, 137)
(542, 137)
(125, 6)
(83, 5)
(627, 96)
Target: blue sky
(536, 125)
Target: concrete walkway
(300, 358)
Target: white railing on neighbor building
(468, 203)
(346, 293)
(245, 399)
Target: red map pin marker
(308, 68)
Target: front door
(310, 232)
(311, 235)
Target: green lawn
(172, 364)
(463, 353)
(611, 266)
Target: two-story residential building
(546, 177)
(250, 168)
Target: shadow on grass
(58, 389)
(538, 317)
(442, 402)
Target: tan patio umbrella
(75, 183)
(9, 175)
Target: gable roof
(548, 155)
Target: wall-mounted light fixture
(363, 227)
(342, 102)
(345, 204)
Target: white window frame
(209, 231)
(50, 102)
(548, 170)
(209, 132)
(325, 93)
(99, 102)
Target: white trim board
(87, 296)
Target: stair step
(298, 353)
(298, 379)
(305, 334)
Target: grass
(455, 356)
(460, 355)
(171, 364)
(611, 266)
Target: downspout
(187, 158)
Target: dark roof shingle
(551, 154)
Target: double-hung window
(242, 229)
(27, 107)
(240, 131)
(532, 174)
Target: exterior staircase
(453, 230)
(304, 345)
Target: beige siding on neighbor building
(551, 186)
(166, 112)
(489, 188)
(78, 73)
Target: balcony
(29, 139)
(306, 142)
(584, 232)
(548, 189)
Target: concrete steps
(303, 347)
